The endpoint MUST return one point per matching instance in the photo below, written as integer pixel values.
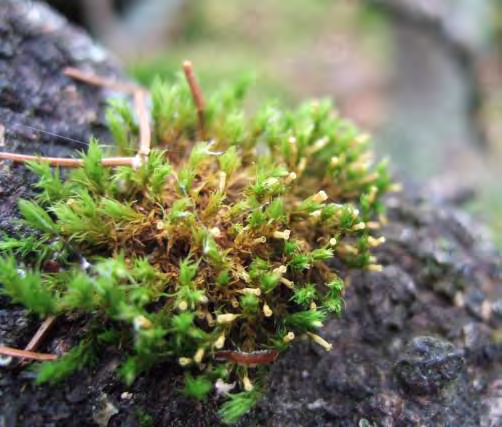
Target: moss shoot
(218, 252)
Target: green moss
(225, 244)
(197, 387)
(237, 405)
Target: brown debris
(197, 96)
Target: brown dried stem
(39, 337)
(139, 101)
(197, 96)
(92, 79)
(23, 354)
(145, 135)
(66, 162)
(41, 333)
(144, 124)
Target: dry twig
(197, 96)
(145, 134)
(41, 333)
(94, 80)
(23, 354)
(38, 338)
(139, 101)
(66, 162)
(144, 125)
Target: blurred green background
(424, 76)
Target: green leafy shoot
(238, 404)
(35, 216)
(27, 288)
(53, 372)
(197, 387)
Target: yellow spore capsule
(372, 194)
(316, 214)
(373, 225)
(302, 165)
(270, 182)
(220, 342)
(373, 242)
(284, 235)
(184, 361)
(199, 355)
(251, 291)
(141, 322)
(287, 282)
(359, 226)
(363, 138)
(396, 187)
(246, 383)
(290, 336)
(280, 270)
(321, 341)
(267, 311)
(210, 319)
(222, 180)
(215, 232)
(318, 145)
(223, 319)
(320, 197)
(290, 178)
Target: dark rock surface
(428, 364)
(37, 101)
(411, 347)
(417, 345)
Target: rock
(353, 375)
(413, 346)
(12, 321)
(403, 352)
(387, 407)
(77, 394)
(104, 411)
(42, 111)
(428, 364)
(461, 21)
(388, 294)
(439, 48)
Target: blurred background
(423, 76)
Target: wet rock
(428, 364)
(13, 324)
(104, 411)
(352, 375)
(474, 302)
(388, 296)
(61, 412)
(77, 394)
(42, 111)
(497, 308)
(386, 407)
